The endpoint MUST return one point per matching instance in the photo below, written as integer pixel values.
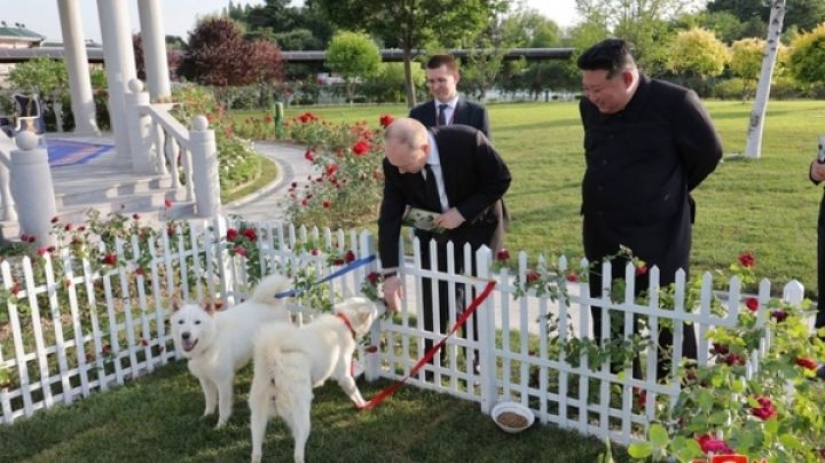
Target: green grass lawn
(158, 419)
(766, 206)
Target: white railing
(89, 327)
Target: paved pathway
(269, 202)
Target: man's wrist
(390, 274)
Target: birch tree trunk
(753, 148)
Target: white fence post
(140, 125)
(486, 336)
(794, 293)
(32, 187)
(371, 362)
(205, 168)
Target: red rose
(110, 259)
(360, 148)
(752, 304)
(532, 277)
(332, 169)
(765, 410)
(641, 269)
(231, 234)
(349, 256)
(373, 278)
(709, 444)
(68, 227)
(503, 255)
(136, 216)
(309, 156)
(240, 250)
(719, 349)
(572, 277)
(42, 250)
(780, 315)
(140, 271)
(250, 234)
(338, 262)
(55, 219)
(747, 260)
(385, 120)
(806, 363)
(171, 230)
(167, 203)
(144, 342)
(325, 204)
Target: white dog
(290, 361)
(219, 344)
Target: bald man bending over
(470, 177)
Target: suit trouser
(820, 267)
(664, 339)
(442, 311)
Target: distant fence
(87, 328)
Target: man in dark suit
(648, 144)
(469, 180)
(447, 108)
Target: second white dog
(218, 344)
(290, 361)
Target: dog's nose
(185, 335)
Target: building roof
(18, 33)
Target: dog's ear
(366, 313)
(176, 304)
(208, 306)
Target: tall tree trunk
(408, 76)
(753, 148)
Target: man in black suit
(648, 144)
(470, 178)
(447, 108)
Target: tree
(746, 62)
(354, 56)
(753, 147)
(807, 57)
(217, 54)
(411, 24)
(642, 23)
(44, 76)
(802, 14)
(697, 52)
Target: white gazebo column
(154, 48)
(119, 58)
(77, 63)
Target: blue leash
(341, 271)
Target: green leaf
(705, 400)
(658, 435)
(639, 450)
(790, 441)
(771, 427)
(720, 417)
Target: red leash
(431, 353)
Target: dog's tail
(269, 287)
(287, 368)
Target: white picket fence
(107, 327)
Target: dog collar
(347, 323)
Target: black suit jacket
(475, 178)
(642, 164)
(466, 113)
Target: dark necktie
(442, 114)
(433, 198)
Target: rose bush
(346, 190)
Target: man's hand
(449, 220)
(393, 293)
(817, 172)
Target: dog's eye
(197, 322)
(180, 322)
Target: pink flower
(167, 203)
(42, 250)
(240, 250)
(752, 304)
(332, 169)
(641, 269)
(747, 260)
(503, 255)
